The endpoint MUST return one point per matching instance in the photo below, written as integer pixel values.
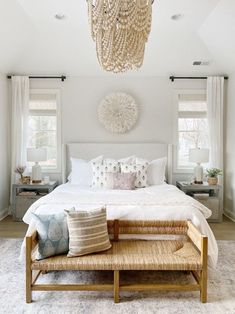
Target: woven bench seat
(129, 255)
(188, 254)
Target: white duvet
(161, 202)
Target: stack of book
(27, 193)
(201, 196)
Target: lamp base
(198, 174)
(36, 173)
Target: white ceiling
(32, 41)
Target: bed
(160, 202)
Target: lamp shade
(36, 154)
(199, 155)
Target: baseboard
(229, 215)
(4, 213)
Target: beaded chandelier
(120, 29)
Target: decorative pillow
(121, 181)
(140, 170)
(82, 171)
(100, 171)
(88, 232)
(127, 160)
(156, 170)
(52, 234)
(110, 162)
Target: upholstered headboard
(88, 151)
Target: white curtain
(215, 103)
(19, 122)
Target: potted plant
(212, 175)
(20, 170)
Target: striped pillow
(88, 232)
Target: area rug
(221, 289)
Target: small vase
(21, 180)
(212, 180)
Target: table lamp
(199, 155)
(36, 155)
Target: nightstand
(208, 195)
(24, 195)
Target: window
(44, 126)
(192, 126)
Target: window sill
(45, 171)
(182, 170)
(56, 171)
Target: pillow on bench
(88, 232)
(53, 235)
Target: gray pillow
(121, 181)
(53, 235)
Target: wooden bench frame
(129, 227)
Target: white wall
(4, 148)
(81, 96)
(154, 95)
(230, 150)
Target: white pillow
(81, 173)
(156, 171)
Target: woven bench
(189, 254)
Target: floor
(13, 229)
(224, 230)
(221, 289)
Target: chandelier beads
(120, 29)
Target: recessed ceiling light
(177, 17)
(60, 16)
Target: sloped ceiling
(32, 41)
(218, 34)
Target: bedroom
(53, 39)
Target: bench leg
(116, 286)
(28, 272)
(203, 292)
(28, 285)
(203, 282)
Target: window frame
(58, 127)
(176, 93)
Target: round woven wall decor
(118, 112)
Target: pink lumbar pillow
(121, 181)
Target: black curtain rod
(172, 78)
(62, 77)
